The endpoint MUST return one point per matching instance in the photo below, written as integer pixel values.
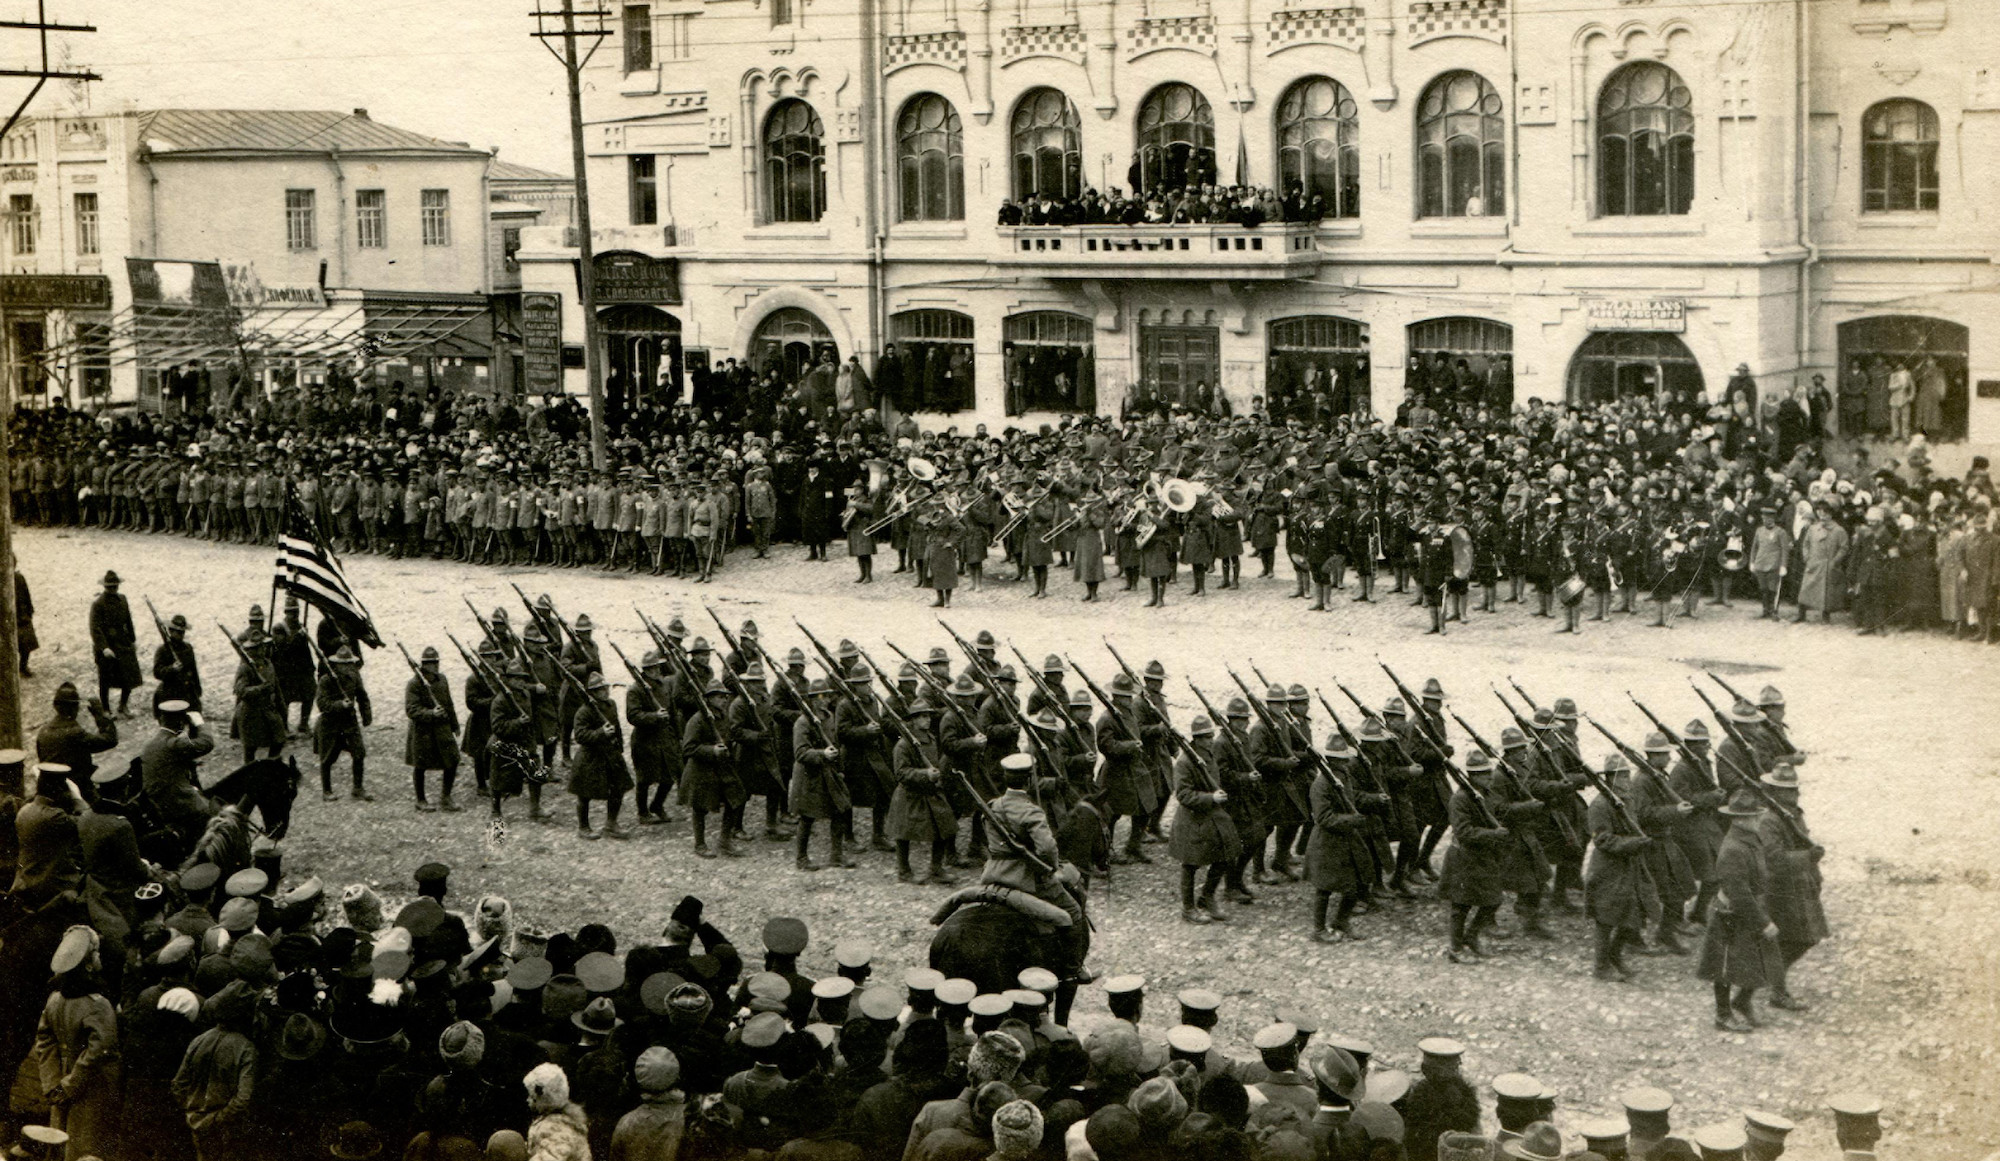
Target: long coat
(919, 811)
(1822, 545)
(1733, 947)
(1123, 778)
(818, 788)
(76, 1052)
(656, 748)
(1794, 886)
(597, 768)
(50, 860)
(1338, 858)
(1088, 547)
(259, 718)
(817, 509)
(1617, 889)
(432, 742)
(1203, 833)
(708, 774)
(111, 628)
(1507, 858)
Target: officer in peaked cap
(1126, 997)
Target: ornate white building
(1614, 195)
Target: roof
(514, 171)
(280, 131)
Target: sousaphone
(1180, 495)
(921, 469)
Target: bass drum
(1732, 552)
(1571, 590)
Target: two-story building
(281, 240)
(1574, 199)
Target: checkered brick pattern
(1057, 40)
(945, 48)
(1195, 32)
(1430, 19)
(1341, 26)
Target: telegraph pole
(570, 27)
(10, 657)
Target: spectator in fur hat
(1017, 1131)
(558, 1132)
(996, 1056)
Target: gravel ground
(1901, 789)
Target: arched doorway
(642, 364)
(790, 341)
(1463, 360)
(1316, 363)
(1932, 350)
(1615, 364)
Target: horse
(267, 787)
(992, 942)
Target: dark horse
(992, 943)
(266, 787)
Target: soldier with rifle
(174, 667)
(1794, 898)
(1492, 851)
(1618, 888)
(1699, 835)
(819, 785)
(1660, 813)
(1395, 769)
(1339, 861)
(1431, 796)
(258, 721)
(919, 811)
(1538, 766)
(293, 662)
(548, 674)
(597, 769)
(1238, 775)
(479, 693)
(342, 703)
(964, 753)
(431, 742)
(1204, 837)
(754, 731)
(1271, 755)
(656, 739)
(1127, 787)
(710, 783)
(1024, 854)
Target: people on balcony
(1235, 205)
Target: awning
(378, 328)
(426, 326)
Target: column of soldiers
(1677, 833)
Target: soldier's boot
(1531, 923)
(1190, 912)
(1319, 596)
(1299, 591)
(727, 847)
(802, 857)
(1437, 620)
(840, 857)
(701, 849)
(1667, 939)
(1208, 901)
(1782, 997)
(1746, 1007)
(936, 873)
(1514, 590)
(1607, 935)
(903, 872)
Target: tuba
(1180, 495)
(921, 469)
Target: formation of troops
(1695, 828)
(1574, 512)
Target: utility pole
(570, 25)
(10, 671)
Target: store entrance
(1181, 363)
(1614, 365)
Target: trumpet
(899, 511)
(1021, 509)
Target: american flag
(308, 568)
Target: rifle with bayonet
(639, 678)
(1737, 695)
(977, 671)
(487, 674)
(1282, 733)
(1059, 706)
(1520, 791)
(1638, 761)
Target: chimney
(360, 114)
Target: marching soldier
(1338, 859)
(1484, 860)
(963, 749)
(479, 698)
(1431, 796)
(514, 739)
(598, 770)
(1662, 814)
(342, 702)
(1793, 859)
(1739, 949)
(291, 657)
(1555, 781)
(259, 717)
(581, 657)
(819, 785)
(709, 781)
(650, 712)
(919, 810)
(1384, 752)
(1125, 782)
(1204, 836)
(871, 778)
(751, 728)
(1700, 835)
(114, 645)
(547, 673)
(1246, 797)
(1271, 752)
(432, 741)
(1618, 889)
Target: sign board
(541, 343)
(178, 284)
(1989, 389)
(55, 292)
(629, 277)
(247, 291)
(1636, 314)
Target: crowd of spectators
(1235, 205)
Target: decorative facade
(1577, 200)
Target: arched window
(1047, 146)
(1461, 148)
(1319, 146)
(934, 360)
(930, 160)
(794, 163)
(1176, 139)
(1050, 360)
(791, 341)
(1645, 143)
(1899, 157)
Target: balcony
(1273, 251)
